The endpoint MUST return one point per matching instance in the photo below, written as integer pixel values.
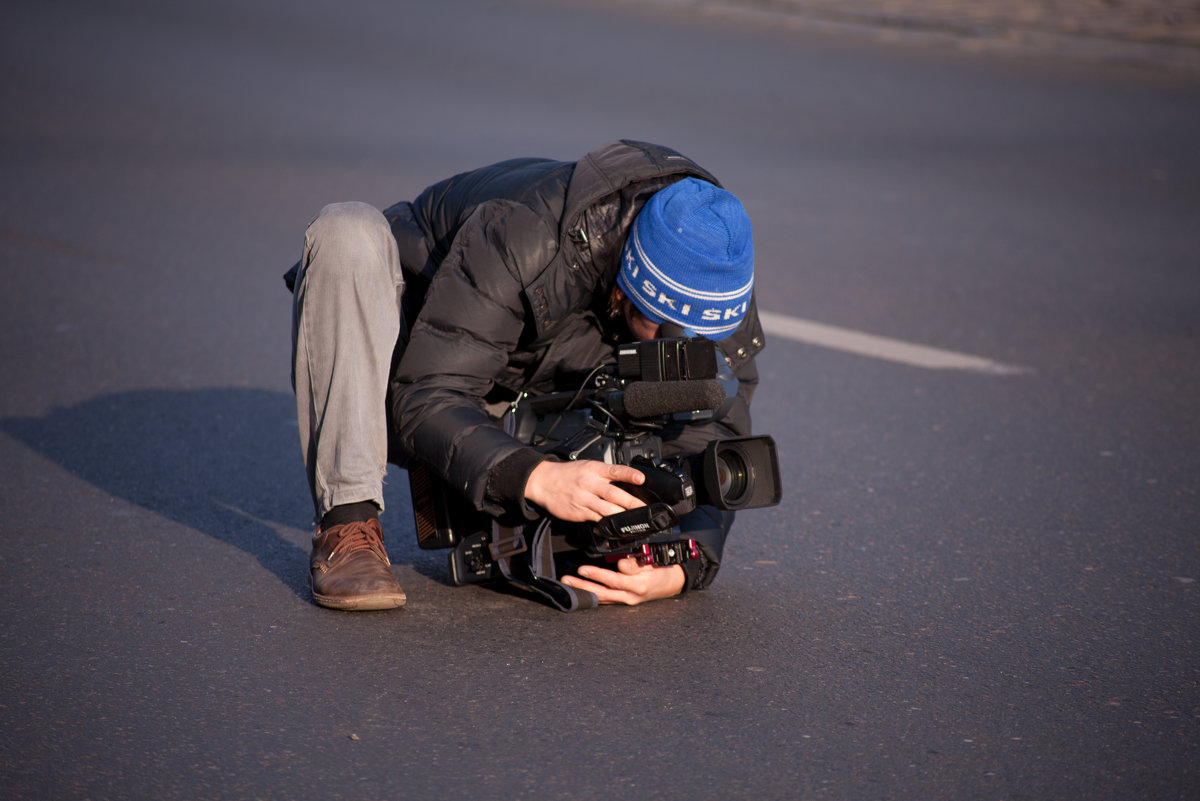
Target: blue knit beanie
(689, 259)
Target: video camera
(617, 417)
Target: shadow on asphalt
(224, 462)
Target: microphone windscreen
(658, 398)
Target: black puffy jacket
(508, 272)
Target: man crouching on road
(408, 323)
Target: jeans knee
(348, 236)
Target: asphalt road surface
(981, 583)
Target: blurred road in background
(980, 268)
(1164, 33)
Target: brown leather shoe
(349, 569)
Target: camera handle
(618, 531)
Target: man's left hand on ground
(631, 583)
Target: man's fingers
(611, 499)
(622, 499)
(604, 593)
(625, 473)
(582, 491)
(603, 508)
(609, 578)
(629, 566)
(631, 583)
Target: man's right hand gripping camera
(618, 416)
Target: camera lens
(739, 473)
(732, 476)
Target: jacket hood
(613, 167)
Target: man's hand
(582, 491)
(631, 583)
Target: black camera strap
(533, 566)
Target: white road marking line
(893, 350)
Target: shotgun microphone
(644, 399)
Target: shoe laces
(358, 536)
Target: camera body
(618, 418)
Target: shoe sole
(362, 603)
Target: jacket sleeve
(472, 319)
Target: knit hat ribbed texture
(689, 259)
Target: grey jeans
(345, 326)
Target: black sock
(360, 512)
